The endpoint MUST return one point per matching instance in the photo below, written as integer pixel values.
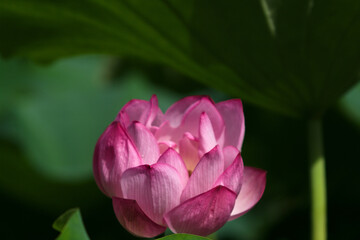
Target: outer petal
(252, 189)
(145, 142)
(155, 116)
(188, 148)
(207, 138)
(233, 115)
(135, 110)
(133, 219)
(208, 170)
(230, 154)
(172, 158)
(114, 153)
(232, 177)
(203, 214)
(155, 188)
(146, 112)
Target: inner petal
(188, 149)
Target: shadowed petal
(133, 219)
(153, 130)
(232, 177)
(252, 189)
(114, 153)
(165, 145)
(155, 188)
(205, 174)
(233, 115)
(203, 214)
(145, 142)
(188, 149)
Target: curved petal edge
(114, 153)
(233, 115)
(132, 218)
(251, 191)
(203, 214)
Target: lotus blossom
(182, 169)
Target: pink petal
(190, 121)
(192, 116)
(165, 145)
(188, 148)
(145, 142)
(233, 115)
(206, 134)
(133, 219)
(207, 171)
(176, 111)
(135, 110)
(156, 116)
(114, 153)
(166, 133)
(153, 130)
(146, 112)
(252, 189)
(203, 214)
(230, 154)
(232, 177)
(155, 188)
(172, 158)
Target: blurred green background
(52, 115)
(299, 58)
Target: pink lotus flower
(181, 169)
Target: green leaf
(48, 131)
(25, 84)
(53, 120)
(295, 57)
(21, 80)
(56, 140)
(183, 236)
(350, 105)
(71, 226)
